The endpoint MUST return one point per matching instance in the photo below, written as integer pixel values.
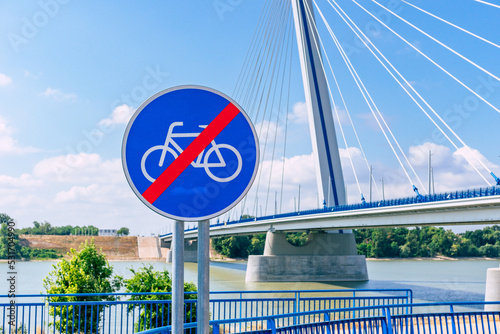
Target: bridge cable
(276, 65)
(246, 63)
(440, 43)
(274, 42)
(377, 109)
(367, 97)
(261, 61)
(279, 109)
(255, 74)
(286, 124)
(453, 25)
(431, 60)
(488, 3)
(424, 101)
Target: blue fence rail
(124, 314)
(449, 317)
(454, 195)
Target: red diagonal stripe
(190, 153)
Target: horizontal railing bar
(120, 302)
(21, 304)
(211, 292)
(299, 314)
(350, 298)
(351, 309)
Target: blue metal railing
(454, 195)
(442, 318)
(38, 313)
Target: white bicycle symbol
(173, 148)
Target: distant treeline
(428, 242)
(45, 228)
(399, 242)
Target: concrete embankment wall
(148, 248)
(115, 248)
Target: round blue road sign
(190, 153)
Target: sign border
(139, 194)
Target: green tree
(9, 241)
(381, 246)
(257, 244)
(123, 231)
(87, 271)
(364, 248)
(297, 238)
(147, 279)
(489, 250)
(234, 246)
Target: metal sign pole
(203, 310)
(207, 115)
(178, 278)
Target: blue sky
(72, 73)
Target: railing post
(271, 324)
(296, 307)
(116, 312)
(387, 328)
(241, 308)
(327, 321)
(453, 324)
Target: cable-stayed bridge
(331, 92)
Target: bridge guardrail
(375, 319)
(37, 313)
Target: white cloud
(79, 169)
(342, 116)
(299, 113)
(419, 155)
(58, 95)
(23, 181)
(5, 80)
(78, 193)
(120, 115)
(8, 145)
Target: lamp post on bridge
(430, 172)
(383, 191)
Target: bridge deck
(475, 206)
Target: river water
(430, 280)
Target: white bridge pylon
(325, 148)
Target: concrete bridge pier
(325, 257)
(492, 293)
(190, 251)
